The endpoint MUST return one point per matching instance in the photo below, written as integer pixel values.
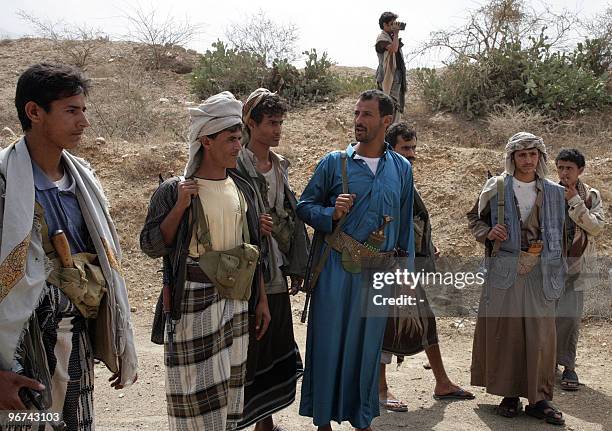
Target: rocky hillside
(141, 116)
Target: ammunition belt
(356, 249)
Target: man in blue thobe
(344, 343)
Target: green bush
(319, 80)
(559, 84)
(594, 54)
(224, 69)
(312, 84)
(286, 79)
(353, 85)
(242, 72)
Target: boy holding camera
(391, 72)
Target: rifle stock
(310, 279)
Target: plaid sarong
(69, 355)
(205, 384)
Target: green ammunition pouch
(231, 271)
(282, 230)
(84, 284)
(353, 252)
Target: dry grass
(507, 120)
(127, 105)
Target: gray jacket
(297, 258)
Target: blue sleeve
(312, 207)
(406, 233)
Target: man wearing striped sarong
(63, 299)
(209, 212)
(274, 362)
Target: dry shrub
(160, 35)
(506, 120)
(123, 108)
(146, 164)
(77, 44)
(596, 125)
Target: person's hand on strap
(498, 233)
(343, 205)
(187, 189)
(265, 224)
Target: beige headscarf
(252, 101)
(249, 159)
(526, 141)
(217, 113)
(518, 141)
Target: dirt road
(143, 406)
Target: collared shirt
(389, 192)
(62, 210)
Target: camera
(398, 25)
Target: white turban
(526, 141)
(217, 113)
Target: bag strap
(203, 232)
(343, 157)
(246, 237)
(500, 209)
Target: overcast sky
(345, 29)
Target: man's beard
(368, 135)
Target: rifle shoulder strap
(500, 209)
(325, 255)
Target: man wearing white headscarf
(210, 211)
(515, 337)
(285, 254)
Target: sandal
(544, 409)
(459, 394)
(569, 380)
(510, 407)
(393, 405)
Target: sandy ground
(143, 405)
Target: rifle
(318, 241)
(30, 361)
(310, 279)
(169, 322)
